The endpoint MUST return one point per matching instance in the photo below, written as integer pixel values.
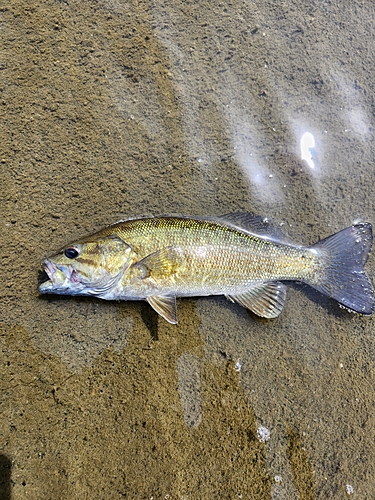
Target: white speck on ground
(349, 489)
(263, 434)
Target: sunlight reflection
(247, 147)
(307, 149)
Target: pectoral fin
(165, 306)
(266, 300)
(163, 262)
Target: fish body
(158, 259)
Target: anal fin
(265, 300)
(165, 305)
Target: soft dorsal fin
(165, 305)
(255, 224)
(265, 300)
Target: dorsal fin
(255, 224)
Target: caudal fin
(344, 277)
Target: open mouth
(49, 268)
(58, 278)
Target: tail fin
(344, 278)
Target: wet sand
(114, 109)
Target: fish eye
(71, 252)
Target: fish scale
(159, 259)
(244, 256)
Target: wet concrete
(113, 109)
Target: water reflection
(308, 149)
(246, 142)
(189, 388)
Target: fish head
(88, 267)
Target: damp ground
(115, 109)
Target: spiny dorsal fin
(266, 300)
(165, 305)
(255, 224)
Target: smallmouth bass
(160, 258)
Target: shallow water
(113, 109)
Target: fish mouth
(66, 280)
(49, 268)
(58, 278)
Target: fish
(239, 255)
